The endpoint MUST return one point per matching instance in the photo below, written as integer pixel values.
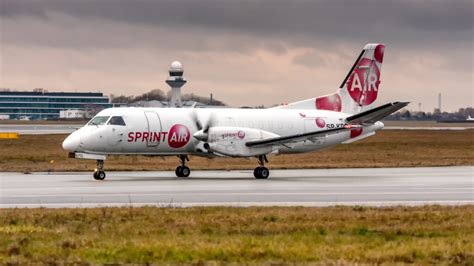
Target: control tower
(176, 81)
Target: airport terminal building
(47, 105)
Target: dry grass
(388, 148)
(426, 235)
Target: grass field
(426, 235)
(388, 148)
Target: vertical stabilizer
(359, 89)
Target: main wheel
(99, 175)
(261, 173)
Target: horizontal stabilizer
(378, 113)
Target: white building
(73, 114)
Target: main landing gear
(261, 172)
(99, 173)
(183, 170)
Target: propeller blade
(196, 120)
(210, 123)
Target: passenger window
(116, 121)
(98, 120)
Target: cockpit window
(98, 120)
(117, 121)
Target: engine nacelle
(230, 141)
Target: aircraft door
(154, 129)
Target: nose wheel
(99, 173)
(183, 170)
(261, 172)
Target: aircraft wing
(295, 138)
(378, 113)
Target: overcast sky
(244, 52)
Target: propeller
(203, 129)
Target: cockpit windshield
(98, 120)
(117, 121)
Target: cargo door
(154, 129)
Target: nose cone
(200, 135)
(379, 125)
(71, 143)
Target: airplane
(345, 116)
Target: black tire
(99, 175)
(256, 172)
(261, 173)
(178, 171)
(185, 171)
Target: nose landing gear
(99, 173)
(183, 170)
(261, 172)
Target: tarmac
(310, 187)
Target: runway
(325, 187)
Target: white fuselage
(169, 131)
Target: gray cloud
(296, 21)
